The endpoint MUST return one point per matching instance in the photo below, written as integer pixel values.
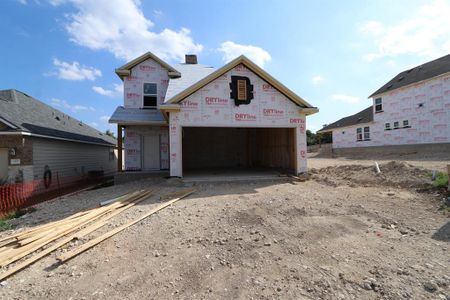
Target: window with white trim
(387, 126)
(359, 135)
(378, 105)
(406, 124)
(367, 133)
(150, 99)
(396, 125)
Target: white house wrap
(262, 125)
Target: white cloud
(93, 124)
(232, 50)
(71, 107)
(316, 80)
(120, 27)
(117, 91)
(104, 119)
(24, 2)
(102, 91)
(426, 32)
(75, 71)
(345, 98)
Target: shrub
(441, 180)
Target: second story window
(406, 124)
(150, 96)
(387, 126)
(378, 105)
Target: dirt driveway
(325, 238)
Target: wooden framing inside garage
(239, 148)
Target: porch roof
(137, 116)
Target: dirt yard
(346, 233)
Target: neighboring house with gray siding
(36, 139)
(411, 112)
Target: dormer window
(150, 99)
(378, 105)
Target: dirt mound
(393, 174)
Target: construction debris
(61, 232)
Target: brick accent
(23, 145)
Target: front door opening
(151, 155)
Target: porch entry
(151, 153)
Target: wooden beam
(65, 257)
(119, 148)
(76, 235)
(52, 236)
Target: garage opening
(233, 149)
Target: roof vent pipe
(191, 59)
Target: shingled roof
(364, 116)
(426, 71)
(22, 113)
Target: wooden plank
(66, 240)
(65, 257)
(70, 219)
(30, 248)
(8, 239)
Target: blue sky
(332, 53)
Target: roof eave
(125, 70)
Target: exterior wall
(70, 159)
(148, 71)
(20, 165)
(133, 145)
(429, 124)
(211, 106)
(345, 137)
(387, 150)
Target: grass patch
(4, 220)
(441, 180)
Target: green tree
(110, 133)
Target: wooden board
(65, 257)
(66, 240)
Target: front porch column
(300, 139)
(176, 159)
(119, 148)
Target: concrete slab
(124, 177)
(230, 175)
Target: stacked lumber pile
(40, 241)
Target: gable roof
(423, 72)
(251, 66)
(125, 70)
(22, 113)
(362, 117)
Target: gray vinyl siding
(70, 159)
